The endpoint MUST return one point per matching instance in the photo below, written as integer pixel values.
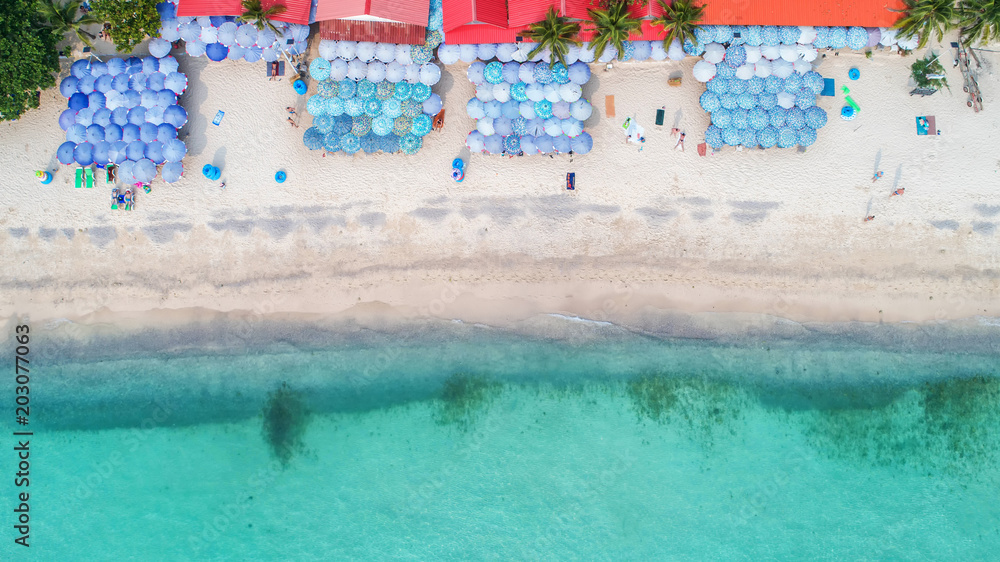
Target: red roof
(461, 12)
(297, 11)
(377, 31)
(524, 12)
(413, 12)
(867, 13)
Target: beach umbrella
(746, 100)
(80, 68)
(526, 72)
(475, 72)
(806, 136)
(736, 56)
(101, 150)
(136, 150)
(519, 126)
(674, 52)
(643, 50)
(767, 137)
(365, 51)
(561, 110)
(581, 109)
(432, 105)
(69, 86)
(66, 119)
(485, 51)
(582, 144)
(96, 100)
(501, 92)
(512, 144)
(323, 123)
(144, 170)
(175, 82)
(493, 73)
(717, 85)
(518, 92)
(430, 74)
(714, 53)
(83, 154)
(195, 48)
(382, 125)
(189, 31)
(328, 88)
(420, 92)
(586, 55)
(164, 132)
(807, 34)
(773, 84)
(493, 109)
(390, 144)
(570, 92)
(813, 81)
(156, 81)
(801, 66)
(527, 109)
(327, 49)
(551, 92)
(777, 117)
(347, 50)
(493, 144)
(560, 74)
(350, 143)
(658, 52)
(543, 143)
(331, 142)
(770, 52)
(720, 33)
(543, 74)
(838, 37)
(372, 107)
(421, 125)
(887, 36)
(796, 118)
(562, 144)
(748, 138)
(729, 101)
(553, 127)
(401, 125)
(335, 106)
(752, 53)
(64, 154)
(731, 136)
(793, 83)
(147, 132)
(357, 69)
(319, 69)
(578, 73)
(117, 152)
(535, 126)
(485, 126)
(484, 92)
(117, 66)
(78, 101)
(739, 118)
(147, 98)
(789, 53)
(130, 132)
(543, 109)
(535, 92)
(510, 71)
(85, 117)
(154, 151)
(172, 171)
(505, 52)
(411, 108)
(745, 72)
(116, 100)
(789, 34)
(175, 115)
(209, 34)
(703, 71)
(384, 90)
(126, 169)
(857, 38)
(510, 109)
(815, 117)
(755, 85)
(342, 125)
(102, 117)
(159, 47)
(410, 143)
(786, 100)
(782, 68)
(376, 71)
(403, 91)
(346, 89)
(722, 118)
(571, 127)
(338, 70)
(422, 54)
(253, 54)
(713, 137)
(805, 99)
(395, 73)
(769, 35)
(503, 126)
(226, 34)
(908, 43)
(393, 108)
(385, 52)
(466, 52)
(528, 147)
(807, 53)
(822, 39)
(137, 115)
(154, 115)
(757, 118)
(787, 137)
(369, 143)
(474, 108)
(104, 84)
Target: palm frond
(924, 18)
(613, 26)
(979, 20)
(554, 33)
(679, 20)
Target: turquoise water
(494, 446)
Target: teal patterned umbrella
(517, 92)
(421, 125)
(433, 38)
(331, 142)
(317, 105)
(319, 69)
(342, 125)
(313, 138)
(384, 90)
(373, 107)
(354, 107)
(366, 90)
(412, 109)
(512, 144)
(421, 54)
(392, 107)
(493, 73)
(362, 125)
(382, 125)
(410, 143)
(347, 89)
(328, 88)
(520, 126)
(402, 125)
(335, 106)
(543, 109)
(560, 75)
(403, 91)
(324, 123)
(420, 92)
(350, 143)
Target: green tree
(554, 33)
(923, 17)
(926, 73)
(63, 20)
(979, 20)
(613, 25)
(679, 19)
(28, 58)
(131, 21)
(254, 13)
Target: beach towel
(926, 125)
(609, 106)
(571, 180)
(659, 116)
(829, 88)
(281, 69)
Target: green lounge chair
(79, 178)
(90, 177)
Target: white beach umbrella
(195, 48)
(552, 92)
(808, 34)
(376, 71)
(609, 54)
(236, 52)
(168, 65)
(474, 109)
(300, 31)
(657, 52)
(544, 55)
(526, 72)
(807, 53)
(475, 72)
(908, 43)
(714, 53)
(486, 51)
(643, 50)
(338, 69)
(676, 51)
(888, 37)
(527, 109)
(587, 53)
(159, 47)
(789, 52)
(357, 69)
(781, 68)
(475, 141)
(535, 92)
(327, 48)
(505, 52)
(170, 30)
(572, 54)
(762, 68)
(510, 72)
(484, 92)
(403, 55)
(553, 127)
(448, 54)
(560, 110)
(347, 49)
(385, 52)
(570, 92)
(571, 127)
(395, 72)
(745, 72)
(190, 31)
(246, 36)
(786, 100)
(703, 71)
(209, 35)
(468, 52)
(521, 54)
(581, 110)
(227, 33)
(802, 66)
(770, 52)
(430, 74)
(365, 51)
(501, 92)
(266, 38)
(269, 54)
(485, 126)
(413, 73)
(753, 53)
(204, 21)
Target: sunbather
(898, 191)
(877, 175)
(128, 200)
(869, 218)
(293, 123)
(680, 142)
(274, 70)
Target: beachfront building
(381, 21)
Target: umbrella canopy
(793, 83)
(172, 172)
(731, 136)
(347, 50)
(120, 82)
(147, 99)
(501, 92)
(175, 82)
(395, 72)
(319, 69)
(542, 74)
(226, 33)
(782, 68)
(553, 127)
(571, 127)
(137, 115)
(410, 144)
(475, 72)
(372, 107)
(83, 154)
(857, 38)
(350, 143)
(505, 52)
(475, 141)
(739, 119)
(527, 109)
(78, 101)
(130, 132)
(66, 119)
(703, 71)
(174, 150)
(570, 92)
(432, 105)
(578, 73)
(420, 93)
(714, 53)
(510, 109)
(136, 150)
(746, 100)
(382, 125)
(526, 72)
(485, 126)
(543, 109)
(164, 132)
(528, 147)
(543, 143)
(64, 154)
(154, 151)
(503, 127)
(561, 110)
(376, 71)
(887, 36)
(217, 51)
(511, 72)
(144, 170)
(385, 52)
(748, 138)
(534, 126)
(562, 144)
(729, 101)
(767, 137)
(485, 51)
(757, 118)
(148, 132)
(365, 51)
(746, 72)
(813, 81)
(722, 118)
(493, 144)
(357, 69)
(117, 152)
(713, 137)
(838, 37)
(777, 117)
(796, 118)
(113, 133)
(786, 100)
(475, 108)
(806, 136)
(327, 48)
(581, 110)
(736, 56)
(512, 144)
(493, 72)
(815, 117)
(104, 84)
(369, 143)
(430, 74)
(534, 92)
(805, 98)
(175, 115)
(421, 125)
(209, 34)
(102, 117)
(787, 137)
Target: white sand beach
(776, 232)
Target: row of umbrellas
(758, 118)
(520, 92)
(821, 37)
(812, 81)
(580, 109)
(366, 51)
(739, 55)
(768, 137)
(394, 72)
(520, 126)
(350, 143)
(104, 152)
(146, 132)
(803, 99)
(496, 72)
(528, 145)
(222, 37)
(704, 71)
(381, 125)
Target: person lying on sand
(680, 142)
(898, 191)
(293, 123)
(290, 110)
(869, 218)
(877, 175)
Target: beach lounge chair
(609, 106)
(659, 116)
(281, 69)
(571, 181)
(829, 87)
(439, 121)
(79, 178)
(114, 198)
(702, 149)
(90, 177)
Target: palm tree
(979, 20)
(924, 17)
(554, 33)
(62, 19)
(679, 19)
(254, 12)
(613, 26)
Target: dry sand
(776, 232)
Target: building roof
(462, 12)
(866, 13)
(413, 12)
(297, 11)
(377, 31)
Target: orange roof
(866, 13)
(406, 11)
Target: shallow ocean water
(520, 448)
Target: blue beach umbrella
(154, 115)
(709, 101)
(369, 143)
(731, 136)
(137, 82)
(174, 150)
(331, 142)
(323, 123)
(148, 132)
(740, 119)
(101, 150)
(857, 38)
(76, 133)
(787, 137)
(156, 81)
(753, 35)
(78, 101)
(403, 91)
(736, 56)
(475, 72)
(136, 150)
(578, 73)
(165, 98)
(410, 143)
(728, 101)
(796, 118)
(130, 132)
(83, 154)
(420, 92)
(528, 147)
(493, 144)
(433, 104)
(704, 34)
(118, 152)
(509, 71)
(382, 125)
(562, 143)
(789, 34)
(150, 64)
(335, 106)
(67, 118)
(560, 74)
(748, 138)
(361, 125)
(113, 133)
(519, 125)
(777, 117)
(822, 40)
(815, 117)
(319, 69)
(347, 89)
(390, 144)
(95, 134)
(115, 99)
(373, 107)
(137, 115)
(793, 83)
(769, 35)
(317, 105)
(757, 118)
(68, 86)
(767, 137)
(493, 73)
(148, 99)
(713, 137)
(542, 74)
(342, 125)
(806, 136)
(518, 92)
(218, 52)
(104, 84)
(814, 81)
(475, 108)
(725, 71)
(401, 125)
(773, 84)
(503, 127)
(85, 117)
(64, 154)
(365, 90)
(722, 34)
(175, 82)
(543, 109)
(421, 125)
(805, 99)
(172, 171)
(350, 144)
(393, 108)
(746, 101)
(512, 144)
(328, 88)
(87, 84)
(722, 118)
(510, 109)
(154, 151)
(119, 116)
(838, 37)
(384, 90)
(175, 115)
(755, 85)
(737, 86)
(144, 170)
(164, 132)
(543, 143)
(116, 66)
(718, 85)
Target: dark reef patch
(465, 397)
(285, 420)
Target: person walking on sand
(898, 191)
(223, 185)
(680, 142)
(877, 175)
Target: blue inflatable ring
(280, 177)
